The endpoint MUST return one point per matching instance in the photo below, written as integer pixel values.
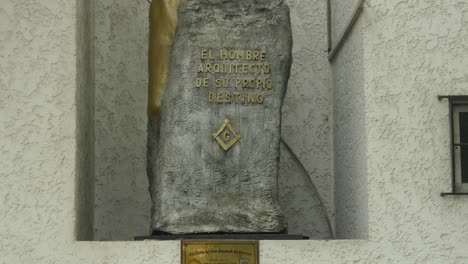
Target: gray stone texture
(122, 201)
(196, 186)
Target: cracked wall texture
(412, 51)
(122, 204)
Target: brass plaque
(219, 252)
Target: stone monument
(219, 70)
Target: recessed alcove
(113, 165)
(349, 125)
(391, 147)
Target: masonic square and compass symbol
(226, 136)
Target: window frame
(460, 186)
(457, 104)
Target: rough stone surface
(122, 202)
(196, 186)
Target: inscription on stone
(213, 154)
(233, 76)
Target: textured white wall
(121, 196)
(413, 50)
(306, 125)
(38, 137)
(350, 157)
(341, 13)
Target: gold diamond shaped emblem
(226, 136)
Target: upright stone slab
(213, 156)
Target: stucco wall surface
(412, 51)
(121, 197)
(38, 67)
(122, 203)
(350, 157)
(306, 125)
(341, 13)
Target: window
(458, 114)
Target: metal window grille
(458, 115)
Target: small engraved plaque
(219, 252)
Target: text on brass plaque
(219, 252)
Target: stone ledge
(223, 237)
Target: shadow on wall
(121, 198)
(350, 148)
(299, 200)
(84, 163)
